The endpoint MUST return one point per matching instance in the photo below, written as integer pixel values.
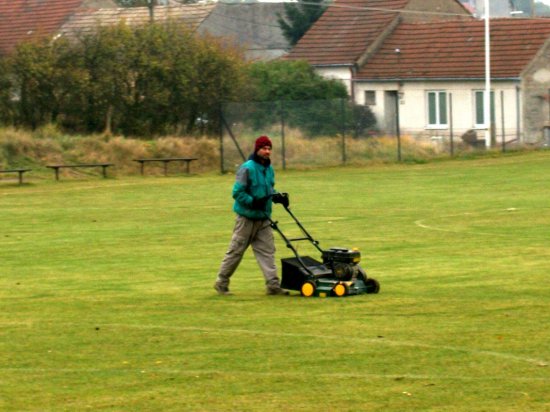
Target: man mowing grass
(253, 192)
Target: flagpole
(487, 94)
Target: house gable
(349, 31)
(423, 10)
(253, 26)
(345, 31)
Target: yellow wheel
(340, 290)
(308, 289)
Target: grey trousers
(259, 235)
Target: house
(425, 60)
(442, 61)
(253, 26)
(23, 20)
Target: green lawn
(106, 298)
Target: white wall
(340, 73)
(413, 107)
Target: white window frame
(439, 120)
(370, 102)
(478, 98)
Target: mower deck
(316, 279)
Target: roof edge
(433, 79)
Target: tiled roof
(25, 19)
(85, 22)
(456, 49)
(345, 30)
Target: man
(253, 192)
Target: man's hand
(259, 203)
(281, 198)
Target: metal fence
(335, 132)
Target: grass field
(106, 298)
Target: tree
(292, 80)
(293, 91)
(35, 75)
(299, 17)
(149, 80)
(6, 98)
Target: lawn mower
(339, 273)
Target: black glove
(259, 203)
(281, 198)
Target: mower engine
(339, 274)
(343, 262)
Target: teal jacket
(253, 180)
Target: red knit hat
(261, 142)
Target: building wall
(413, 108)
(337, 72)
(536, 95)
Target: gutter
(333, 65)
(433, 79)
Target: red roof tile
(345, 30)
(456, 49)
(22, 20)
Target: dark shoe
(277, 291)
(222, 290)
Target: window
(479, 108)
(370, 97)
(437, 109)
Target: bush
(144, 81)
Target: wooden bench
(167, 160)
(19, 171)
(104, 166)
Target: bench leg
(187, 163)
(20, 177)
(165, 168)
(56, 169)
(104, 171)
(141, 168)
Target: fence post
(518, 115)
(451, 131)
(343, 110)
(397, 126)
(283, 149)
(502, 120)
(221, 138)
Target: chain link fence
(335, 132)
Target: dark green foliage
(292, 80)
(299, 17)
(6, 98)
(134, 81)
(291, 92)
